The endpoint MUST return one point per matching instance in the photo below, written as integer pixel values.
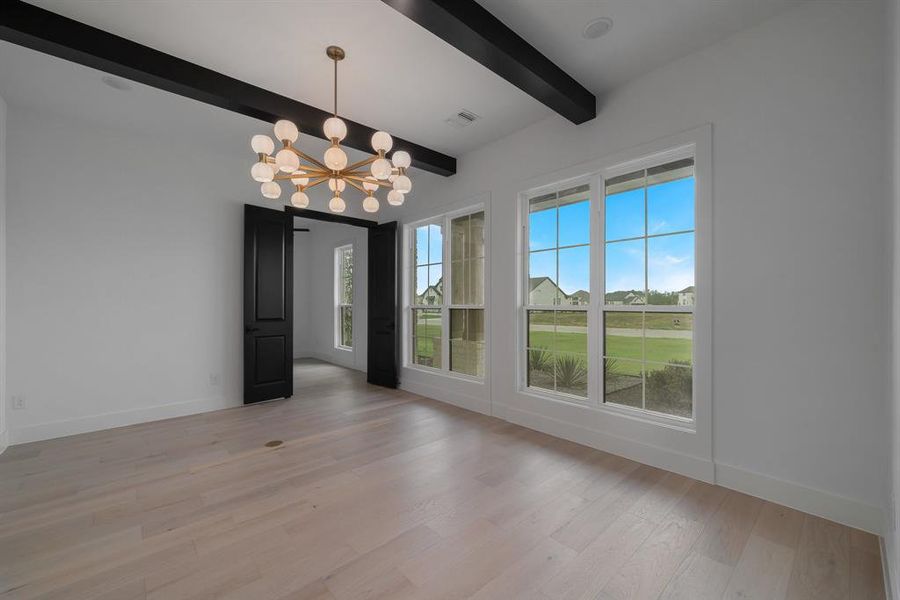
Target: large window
(648, 319)
(343, 296)
(558, 291)
(450, 324)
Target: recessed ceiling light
(116, 83)
(597, 27)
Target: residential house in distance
(433, 293)
(579, 298)
(624, 297)
(686, 296)
(543, 290)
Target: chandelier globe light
(291, 165)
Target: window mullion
(646, 298)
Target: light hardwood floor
(378, 493)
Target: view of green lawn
(660, 350)
(617, 319)
(626, 348)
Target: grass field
(624, 348)
(663, 321)
(660, 350)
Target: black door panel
(268, 304)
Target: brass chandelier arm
(348, 178)
(362, 163)
(309, 159)
(357, 186)
(315, 171)
(308, 173)
(315, 182)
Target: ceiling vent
(463, 118)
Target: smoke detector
(463, 118)
(596, 28)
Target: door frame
(371, 226)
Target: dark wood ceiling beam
(45, 31)
(470, 28)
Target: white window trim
(525, 292)
(336, 313)
(644, 162)
(697, 143)
(444, 220)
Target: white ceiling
(397, 76)
(45, 84)
(646, 34)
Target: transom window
(450, 324)
(648, 319)
(343, 294)
(558, 291)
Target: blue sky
(670, 258)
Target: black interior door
(383, 353)
(268, 304)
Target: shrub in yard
(669, 389)
(540, 360)
(571, 371)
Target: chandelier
(303, 171)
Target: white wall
(124, 275)
(892, 502)
(316, 290)
(4, 423)
(124, 262)
(800, 372)
(303, 338)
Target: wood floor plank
(377, 493)
(589, 572)
(822, 563)
(698, 578)
(682, 513)
(730, 528)
(762, 572)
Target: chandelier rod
(357, 186)
(335, 53)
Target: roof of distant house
(533, 282)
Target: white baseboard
(55, 429)
(4, 440)
(809, 500)
(683, 464)
(887, 571)
(473, 403)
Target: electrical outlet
(18, 402)
(214, 379)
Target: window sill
(635, 414)
(344, 348)
(648, 416)
(448, 374)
